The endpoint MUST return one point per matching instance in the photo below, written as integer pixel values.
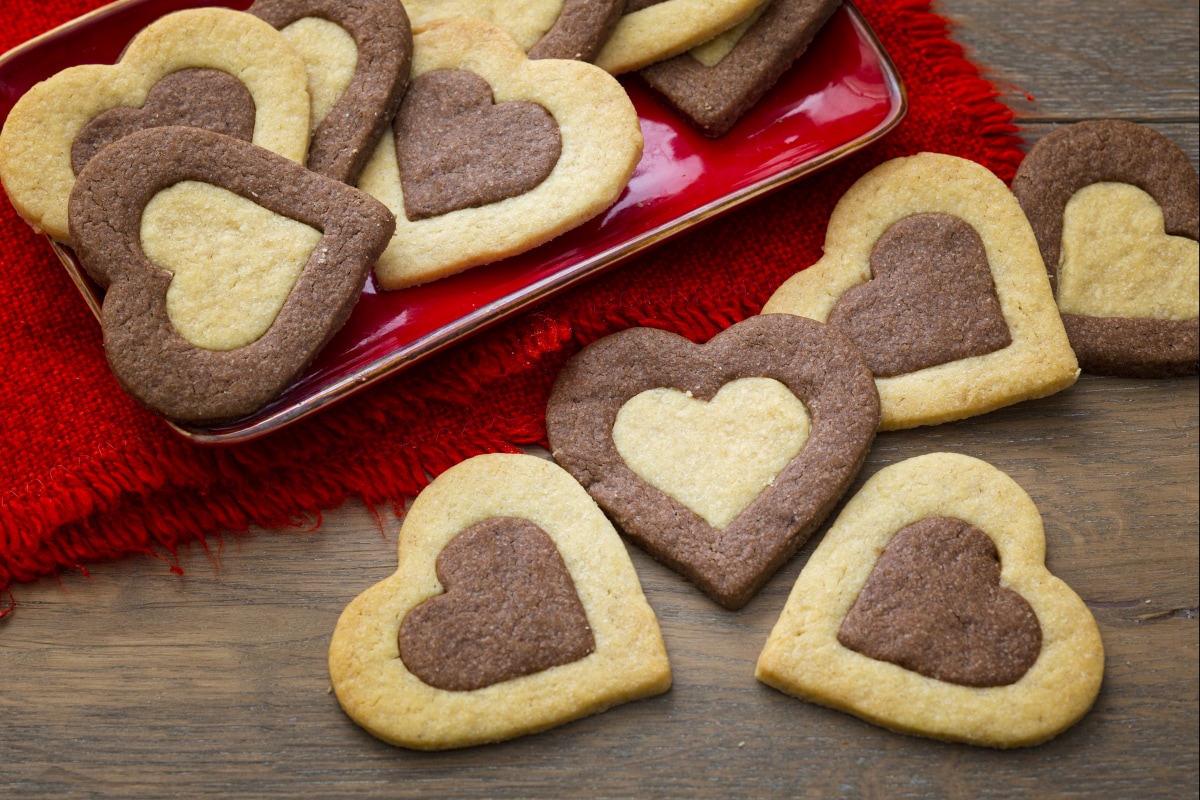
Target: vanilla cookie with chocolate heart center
(514, 608)
(478, 197)
(928, 609)
(962, 342)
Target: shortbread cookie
(37, 140)
(719, 459)
(928, 609)
(715, 84)
(931, 267)
(477, 113)
(514, 608)
(1114, 207)
(655, 30)
(356, 86)
(200, 323)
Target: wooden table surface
(138, 682)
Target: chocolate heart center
(510, 609)
(457, 149)
(931, 300)
(199, 98)
(933, 604)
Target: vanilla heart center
(713, 457)
(234, 262)
(1118, 262)
(330, 57)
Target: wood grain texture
(136, 682)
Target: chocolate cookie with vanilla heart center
(345, 138)
(149, 356)
(714, 95)
(1126, 282)
(820, 367)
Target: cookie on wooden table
(1116, 210)
(932, 269)
(514, 608)
(194, 52)
(928, 609)
(719, 459)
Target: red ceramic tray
(841, 95)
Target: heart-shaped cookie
(346, 134)
(601, 145)
(37, 139)
(1038, 362)
(369, 655)
(457, 149)
(1025, 695)
(1133, 324)
(818, 365)
(148, 355)
(930, 299)
(714, 91)
(568, 29)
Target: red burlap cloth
(86, 474)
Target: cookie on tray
(928, 609)
(493, 154)
(570, 29)
(39, 156)
(719, 459)
(715, 84)
(655, 30)
(932, 269)
(226, 267)
(514, 608)
(358, 54)
(1115, 209)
